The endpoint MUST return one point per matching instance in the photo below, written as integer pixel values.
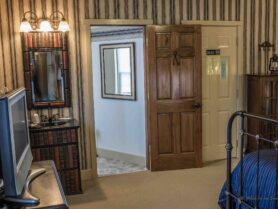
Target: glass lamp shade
(45, 26)
(25, 26)
(63, 26)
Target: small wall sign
(213, 52)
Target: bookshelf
(60, 144)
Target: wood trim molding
(118, 22)
(85, 42)
(87, 175)
(121, 32)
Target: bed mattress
(268, 187)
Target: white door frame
(87, 67)
(241, 89)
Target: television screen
(19, 128)
(15, 151)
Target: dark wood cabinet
(262, 93)
(60, 144)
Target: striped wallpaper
(259, 17)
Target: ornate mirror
(46, 70)
(117, 71)
(47, 78)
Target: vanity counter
(69, 124)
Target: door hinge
(237, 41)
(237, 143)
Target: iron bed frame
(243, 133)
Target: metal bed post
(242, 131)
(258, 138)
(229, 148)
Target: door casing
(87, 66)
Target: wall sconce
(31, 22)
(273, 63)
(266, 45)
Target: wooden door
(174, 97)
(219, 82)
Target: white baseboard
(122, 156)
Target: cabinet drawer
(64, 157)
(53, 137)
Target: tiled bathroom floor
(108, 167)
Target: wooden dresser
(262, 99)
(60, 144)
(46, 187)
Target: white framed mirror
(118, 71)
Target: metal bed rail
(229, 194)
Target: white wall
(120, 124)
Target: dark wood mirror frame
(38, 41)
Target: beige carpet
(181, 189)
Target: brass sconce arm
(56, 18)
(31, 22)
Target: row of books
(53, 137)
(71, 181)
(65, 157)
(45, 40)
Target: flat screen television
(16, 155)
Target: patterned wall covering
(259, 17)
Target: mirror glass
(47, 75)
(117, 70)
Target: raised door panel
(163, 40)
(187, 132)
(187, 78)
(186, 40)
(164, 78)
(164, 129)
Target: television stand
(46, 187)
(29, 199)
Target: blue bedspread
(267, 181)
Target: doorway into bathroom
(119, 98)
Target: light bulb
(45, 26)
(25, 26)
(63, 26)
